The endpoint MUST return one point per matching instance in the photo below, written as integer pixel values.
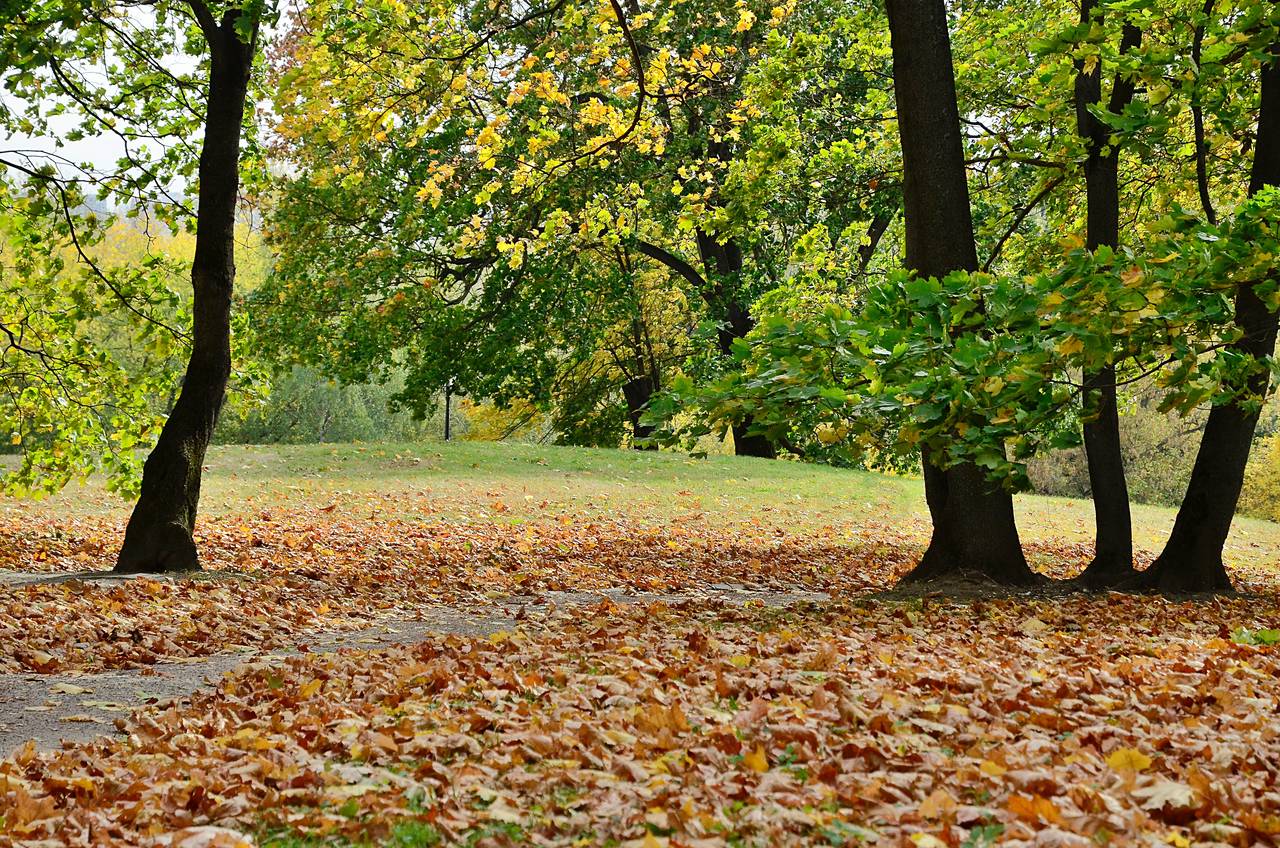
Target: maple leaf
(939, 803)
(1128, 760)
(992, 768)
(1167, 796)
(1034, 808)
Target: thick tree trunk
(974, 532)
(1113, 545)
(1192, 557)
(159, 534)
(637, 392)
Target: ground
(497, 645)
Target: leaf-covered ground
(277, 577)
(1071, 721)
(1105, 721)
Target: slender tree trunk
(1192, 557)
(1113, 546)
(159, 534)
(724, 262)
(974, 532)
(1113, 543)
(637, 392)
(735, 320)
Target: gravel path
(75, 707)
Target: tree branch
(208, 23)
(675, 263)
(1019, 218)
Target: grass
(518, 482)
(406, 834)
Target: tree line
(852, 231)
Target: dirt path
(75, 707)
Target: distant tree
(482, 199)
(303, 407)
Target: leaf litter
(1072, 721)
(1121, 721)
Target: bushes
(1261, 495)
(485, 422)
(1159, 450)
(304, 407)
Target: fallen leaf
(1128, 760)
(757, 760)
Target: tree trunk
(159, 534)
(1113, 543)
(1192, 557)
(735, 321)
(724, 262)
(637, 392)
(974, 532)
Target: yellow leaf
(1128, 759)
(310, 688)
(741, 660)
(1034, 808)
(938, 804)
(992, 768)
(1032, 626)
(757, 760)
(1070, 345)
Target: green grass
(464, 480)
(406, 834)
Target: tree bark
(159, 535)
(724, 262)
(974, 532)
(1113, 543)
(1192, 557)
(637, 391)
